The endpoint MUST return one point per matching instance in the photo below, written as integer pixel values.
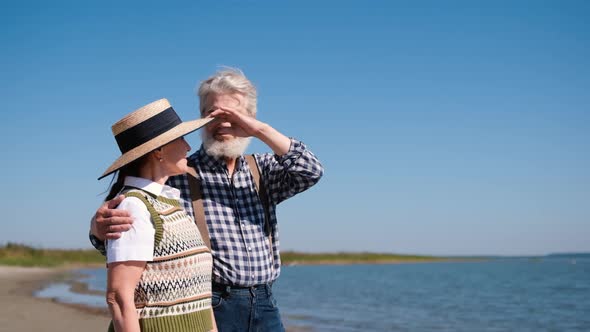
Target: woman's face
(174, 157)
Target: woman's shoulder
(130, 201)
(134, 202)
(135, 196)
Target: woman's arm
(122, 277)
(213, 320)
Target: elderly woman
(159, 272)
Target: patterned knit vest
(174, 292)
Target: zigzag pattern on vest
(175, 288)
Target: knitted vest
(174, 292)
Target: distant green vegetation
(291, 257)
(22, 255)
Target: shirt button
(252, 276)
(243, 224)
(250, 248)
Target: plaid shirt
(235, 215)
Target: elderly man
(240, 213)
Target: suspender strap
(194, 182)
(262, 194)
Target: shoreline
(24, 311)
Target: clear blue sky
(445, 127)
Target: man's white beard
(226, 149)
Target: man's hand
(108, 222)
(247, 126)
(244, 125)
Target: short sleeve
(137, 244)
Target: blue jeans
(251, 309)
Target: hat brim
(156, 142)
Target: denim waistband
(267, 288)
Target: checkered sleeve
(97, 244)
(291, 173)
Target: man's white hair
(228, 81)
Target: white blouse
(137, 244)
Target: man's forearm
(293, 172)
(278, 142)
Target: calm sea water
(504, 295)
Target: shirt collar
(152, 187)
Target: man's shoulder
(176, 180)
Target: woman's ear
(157, 153)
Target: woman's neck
(154, 174)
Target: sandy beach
(23, 312)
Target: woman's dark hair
(131, 169)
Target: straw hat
(147, 129)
